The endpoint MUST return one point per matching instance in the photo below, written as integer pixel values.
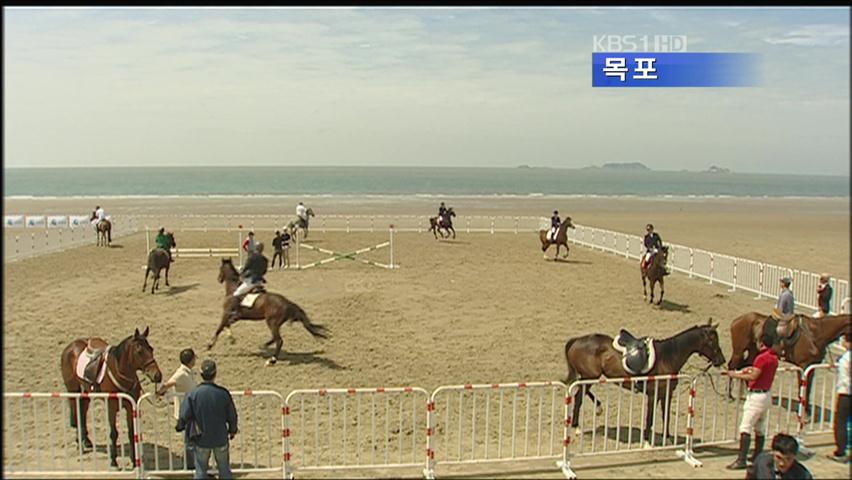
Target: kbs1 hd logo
(663, 61)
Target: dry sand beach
(481, 309)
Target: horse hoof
(599, 411)
(209, 346)
(271, 362)
(578, 432)
(232, 340)
(646, 445)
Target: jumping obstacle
(335, 256)
(209, 252)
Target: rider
(302, 212)
(784, 311)
(653, 243)
(252, 274)
(99, 216)
(555, 222)
(162, 241)
(442, 214)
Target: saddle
(91, 364)
(250, 297)
(790, 337)
(638, 355)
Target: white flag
(11, 221)
(34, 222)
(57, 221)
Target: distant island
(715, 169)
(523, 166)
(631, 166)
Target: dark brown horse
(561, 238)
(435, 225)
(814, 337)
(272, 307)
(655, 272)
(133, 354)
(159, 259)
(104, 229)
(592, 356)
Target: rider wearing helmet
(162, 241)
(252, 274)
(653, 243)
(555, 222)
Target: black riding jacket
(653, 240)
(555, 221)
(255, 268)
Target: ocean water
(200, 181)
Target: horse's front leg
(454, 232)
(145, 285)
(167, 276)
(112, 408)
(662, 291)
(653, 283)
(644, 288)
(222, 325)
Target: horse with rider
(102, 225)
(444, 221)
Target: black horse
(436, 224)
(159, 259)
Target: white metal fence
(23, 243)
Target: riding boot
(759, 440)
(740, 462)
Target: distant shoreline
(427, 196)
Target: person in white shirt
(842, 417)
(181, 383)
(302, 211)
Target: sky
(414, 87)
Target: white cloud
(812, 36)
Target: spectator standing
(181, 383)
(760, 377)
(285, 243)
(781, 463)
(279, 253)
(209, 417)
(824, 293)
(842, 416)
(249, 243)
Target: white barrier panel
(329, 429)
(496, 422)
(717, 418)
(57, 221)
(257, 447)
(79, 221)
(13, 221)
(38, 438)
(335, 256)
(35, 221)
(618, 424)
(817, 412)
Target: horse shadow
(674, 307)
(299, 358)
(453, 242)
(181, 289)
(115, 245)
(569, 261)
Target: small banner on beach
(35, 222)
(11, 221)
(79, 221)
(57, 221)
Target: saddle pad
(83, 359)
(249, 299)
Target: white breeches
(754, 413)
(243, 288)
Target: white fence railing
(391, 428)
(23, 243)
(738, 273)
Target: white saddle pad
(84, 360)
(249, 299)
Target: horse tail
(572, 375)
(298, 314)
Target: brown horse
(134, 353)
(593, 356)
(655, 272)
(561, 238)
(272, 307)
(158, 259)
(104, 228)
(436, 225)
(815, 334)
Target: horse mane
(684, 332)
(119, 349)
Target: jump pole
(391, 247)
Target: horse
(122, 362)
(272, 307)
(104, 232)
(561, 238)
(300, 222)
(159, 259)
(447, 224)
(655, 272)
(815, 334)
(592, 356)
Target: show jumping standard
(272, 307)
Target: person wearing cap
(162, 241)
(249, 243)
(759, 377)
(824, 293)
(653, 243)
(555, 222)
(181, 383)
(209, 418)
(252, 274)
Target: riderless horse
(560, 240)
(158, 259)
(655, 271)
(593, 356)
(806, 344)
(112, 369)
(275, 309)
(436, 224)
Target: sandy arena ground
(481, 309)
